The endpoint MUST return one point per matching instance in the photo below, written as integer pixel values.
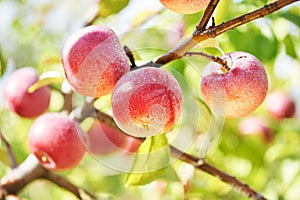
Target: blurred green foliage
(109, 7)
(33, 32)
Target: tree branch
(207, 15)
(212, 32)
(231, 24)
(29, 170)
(68, 102)
(202, 165)
(19, 177)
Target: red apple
(104, 139)
(185, 6)
(240, 90)
(19, 99)
(57, 141)
(280, 105)
(94, 60)
(255, 125)
(146, 102)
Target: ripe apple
(255, 125)
(185, 6)
(94, 60)
(104, 139)
(237, 92)
(280, 105)
(19, 99)
(146, 102)
(57, 141)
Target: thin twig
(213, 32)
(11, 156)
(216, 59)
(207, 15)
(231, 24)
(202, 165)
(66, 184)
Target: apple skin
(94, 60)
(280, 105)
(254, 125)
(146, 102)
(57, 141)
(185, 6)
(237, 92)
(104, 140)
(22, 102)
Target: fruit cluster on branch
(146, 101)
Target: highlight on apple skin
(240, 90)
(185, 6)
(19, 100)
(104, 140)
(280, 105)
(94, 60)
(57, 141)
(146, 102)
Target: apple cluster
(145, 101)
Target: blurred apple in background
(104, 139)
(254, 125)
(280, 105)
(19, 100)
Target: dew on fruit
(146, 102)
(94, 60)
(242, 89)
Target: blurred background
(262, 149)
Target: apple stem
(225, 68)
(130, 56)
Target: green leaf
(292, 17)
(44, 82)
(151, 160)
(46, 78)
(2, 64)
(289, 47)
(108, 7)
(3, 157)
(254, 42)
